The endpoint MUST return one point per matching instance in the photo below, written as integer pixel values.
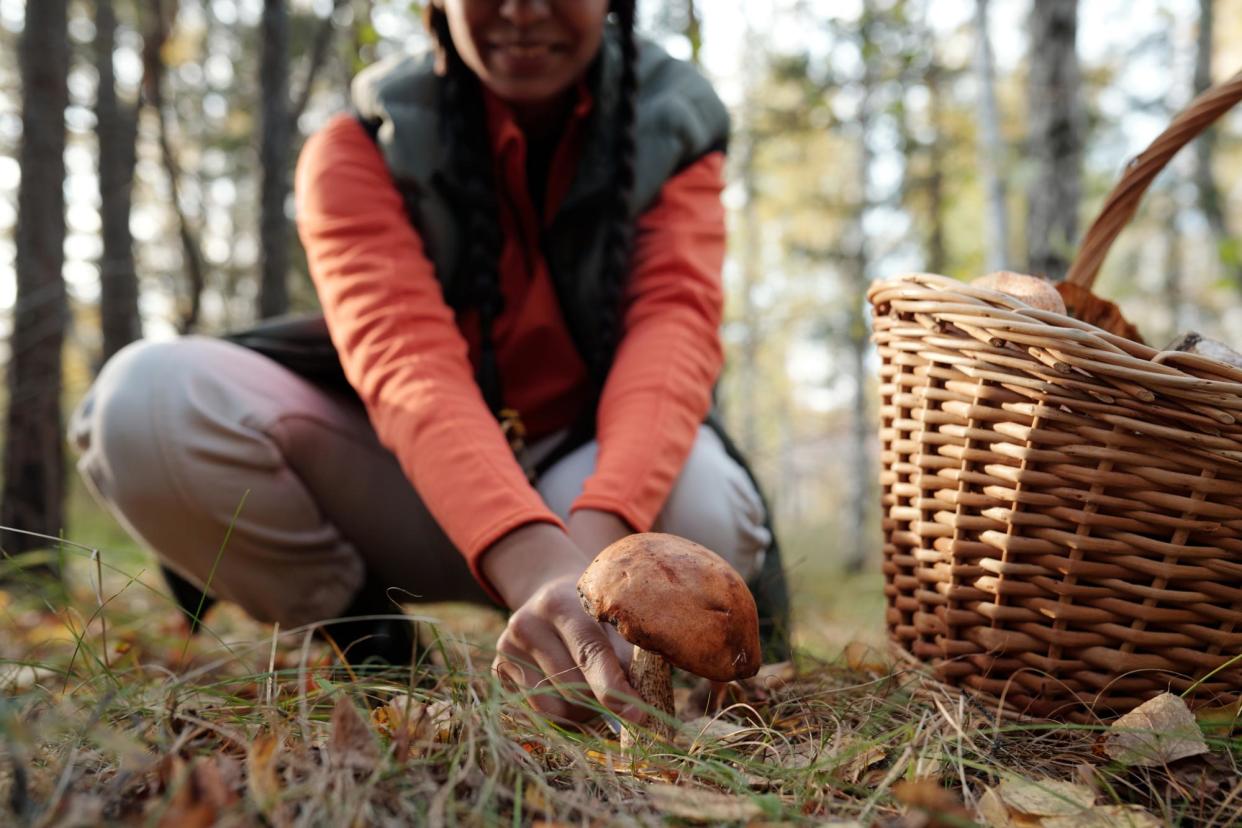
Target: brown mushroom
(1034, 291)
(678, 603)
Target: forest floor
(114, 715)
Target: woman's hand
(550, 643)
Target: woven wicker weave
(1062, 506)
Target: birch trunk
(858, 266)
(1205, 153)
(1055, 137)
(991, 147)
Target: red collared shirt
(412, 361)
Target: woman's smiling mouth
(525, 57)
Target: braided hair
(620, 229)
(464, 125)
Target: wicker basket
(1062, 507)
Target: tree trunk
(1205, 154)
(274, 160)
(1055, 137)
(694, 32)
(318, 56)
(937, 253)
(1174, 290)
(858, 266)
(355, 56)
(117, 128)
(160, 15)
(747, 402)
(750, 239)
(34, 473)
(991, 147)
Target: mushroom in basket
(1034, 291)
(1196, 343)
(678, 603)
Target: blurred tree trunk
(693, 31)
(747, 415)
(750, 239)
(318, 56)
(360, 31)
(991, 147)
(937, 254)
(117, 128)
(1174, 290)
(857, 267)
(274, 160)
(1229, 251)
(34, 471)
(160, 17)
(1055, 137)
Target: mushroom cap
(673, 597)
(1033, 290)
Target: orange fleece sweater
(412, 360)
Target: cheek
(586, 19)
(467, 21)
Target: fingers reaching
(562, 657)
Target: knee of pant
(114, 425)
(715, 504)
(141, 404)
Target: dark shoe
(382, 642)
(192, 601)
(771, 591)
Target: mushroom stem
(651, 677)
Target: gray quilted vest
(678, 119)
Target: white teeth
(526, 51)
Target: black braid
(466, 136)
(620, 231)
(477, 282)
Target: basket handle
(1121, 203)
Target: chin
(524, 93)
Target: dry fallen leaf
(1048, 803)
(1157, 732)
(863, 759)
(420, 722)
(863, 658)
(261, 778)
(352, 744)
(942, 806)
(200, 794)
(708, 730)
(1106, 816)
(1045, 797)
(699, 805)
(799, 755)
(993, 813)
(638, 768)
(1220, 720)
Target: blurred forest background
(146, 149)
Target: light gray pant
(196, 440)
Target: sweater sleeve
(400, 345)
(660, 386)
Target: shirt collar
(502, 125)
